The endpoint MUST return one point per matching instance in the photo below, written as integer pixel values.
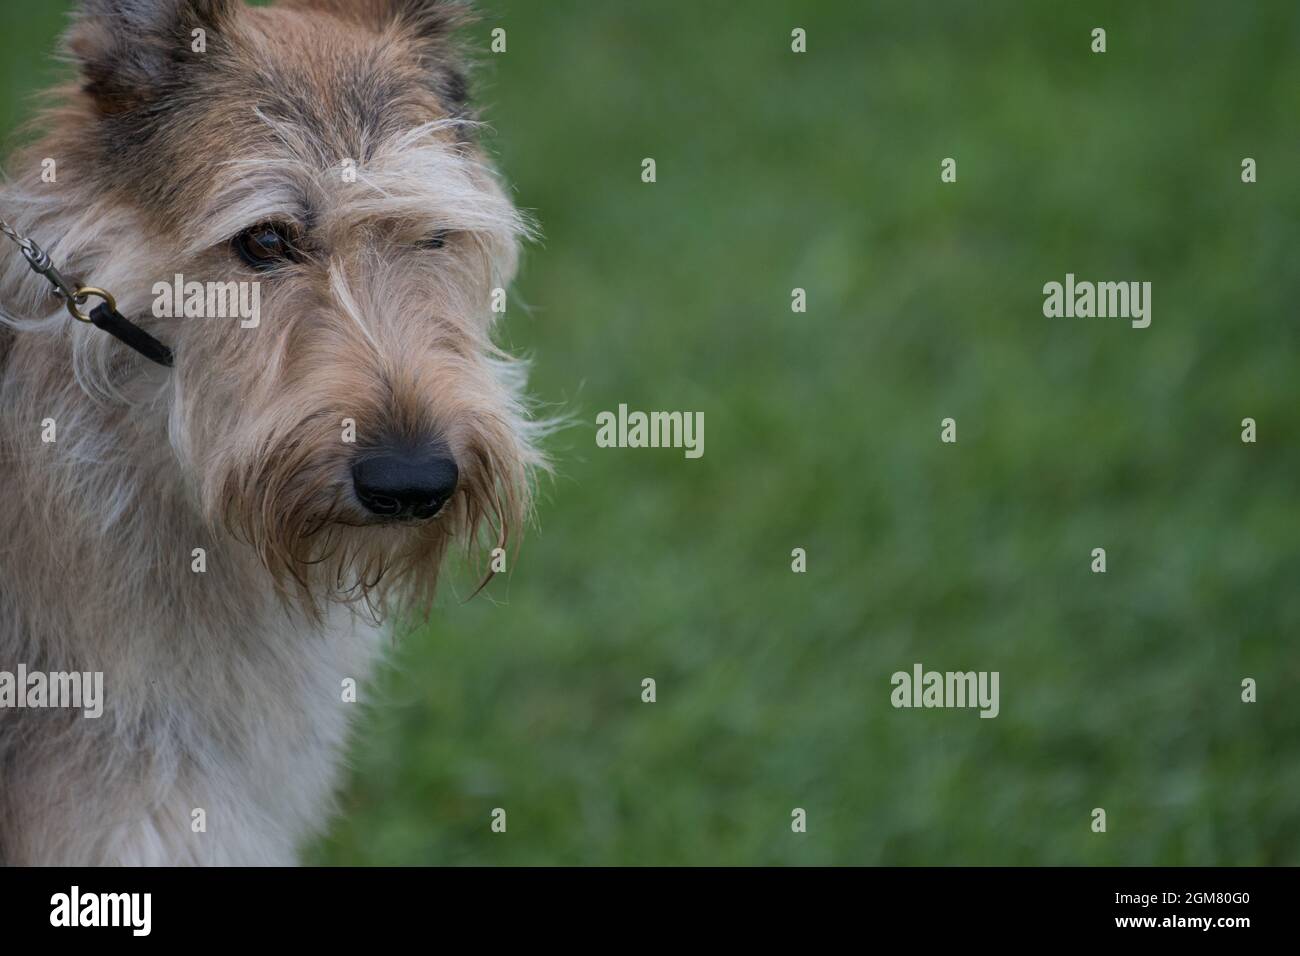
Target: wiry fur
(223, 688)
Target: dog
(228, 541)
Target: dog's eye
(265, 246)
(435, 241)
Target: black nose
(404, 484)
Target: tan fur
(223, 689)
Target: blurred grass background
(821, 171)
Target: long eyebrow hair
(418, 177)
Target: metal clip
(40, 262)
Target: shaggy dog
(222, 539)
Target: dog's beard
(319, 547)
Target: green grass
(821, 171)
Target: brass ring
(82, 295)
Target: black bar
(977, 904)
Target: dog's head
(322, 155)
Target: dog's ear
(132, 52)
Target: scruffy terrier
(223, 538)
